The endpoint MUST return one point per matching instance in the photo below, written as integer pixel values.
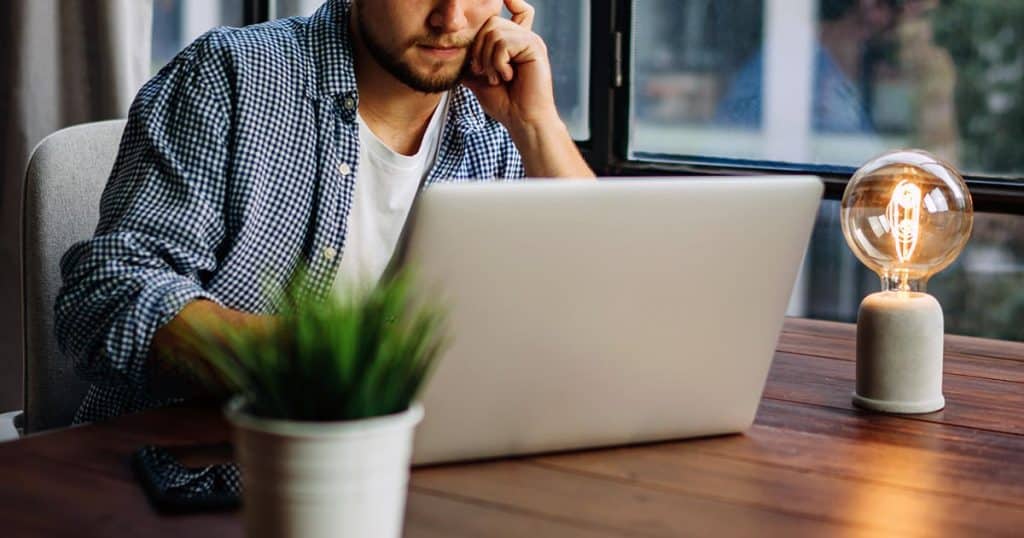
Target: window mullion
(603, 98)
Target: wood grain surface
(812, 465)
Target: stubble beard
(401, 70)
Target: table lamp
(906, 215)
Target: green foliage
(986, 41)
(988, 305)
(336, 359)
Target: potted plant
(325, 407)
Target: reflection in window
(829, 82)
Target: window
(294, 8)
(824, 85)
(829, 82)
(982, 293)
(565, 27)
(176, 23)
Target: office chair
(66, 176)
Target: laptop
(589, 314)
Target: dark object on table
(175, 488)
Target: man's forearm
(549, 151)
(180, 341)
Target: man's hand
(178, 347)
(512, 81)
(512, 70)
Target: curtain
(62, 62)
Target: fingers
(522, 13)
(480, 51)
(496, 58)
(499, 45)
(501, 60)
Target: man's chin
(432, 81)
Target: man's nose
(449, 16)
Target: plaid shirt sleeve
(514, 169)
(160, 223)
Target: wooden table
(811, 465)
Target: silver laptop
(589, 314)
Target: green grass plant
(337, 359)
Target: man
(845, 28)
(296, 142)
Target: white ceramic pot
(312, 479)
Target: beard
(439, 81)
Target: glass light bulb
(907, 215)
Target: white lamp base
(899, 353)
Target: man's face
(876, 16)
(423, 43)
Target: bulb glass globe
(906, 215)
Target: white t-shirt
(386, 185)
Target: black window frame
(607, 150)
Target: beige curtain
(62, 62)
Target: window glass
(176, 23)
(294, 8)
(982, 292)
(829, 82)
(565, 27)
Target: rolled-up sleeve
(161, 222)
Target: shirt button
(344, 169)
(330, 253)
(350, 103)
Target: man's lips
(442, 51)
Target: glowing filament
(904, 214)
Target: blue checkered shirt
(237, 164)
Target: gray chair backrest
(63, 185)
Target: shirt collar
(334, 68)
(335, 75)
